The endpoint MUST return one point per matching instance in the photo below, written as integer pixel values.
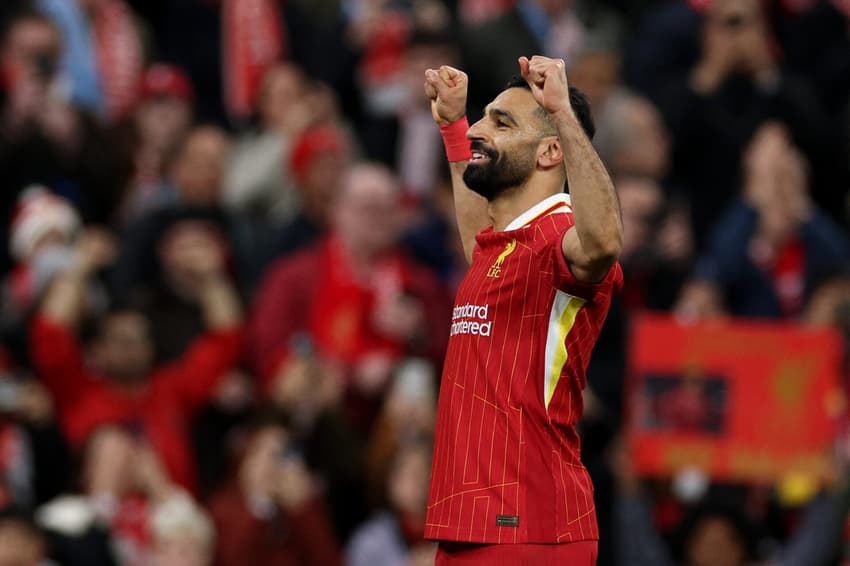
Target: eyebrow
(501, 114)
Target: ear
(549, 153)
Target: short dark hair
(578, 101)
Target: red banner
(253, 41)
(741, 401)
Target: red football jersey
(506, 463)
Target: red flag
(253, 41)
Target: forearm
(220, 303)
(470, 209)
(64, 301)
(598, 227)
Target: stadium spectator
(419, 151)
(182, 534)
(259, 181)
(358, 297)
(124, 496)
(407, 414)
(317, 162)
(631, 137)
(595, 70)
(718, 532)
(724, 215)
(45, 139)
(554, 28)
(161, 120)
(42, 236)
(393, 537)
(120, 385)
(773, 244)
(195, 183)
(21, 542)
(272, 513)
(735, 87)
(33, 454)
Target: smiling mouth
(480, 156)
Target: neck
(509, 205)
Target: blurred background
(229, 257)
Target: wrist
(455, 141)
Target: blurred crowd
(229, 258)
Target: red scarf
(120, 58)
(252, 42)
(341, 319)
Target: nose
(476, 131)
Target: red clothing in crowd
(316, 292)
(161, 410)
(302, 537)
(507, 465)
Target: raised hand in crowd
(735, 41)
(65, 301)
(307, 386)
(294, 486)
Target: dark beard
(500, 174)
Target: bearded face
(491, 173)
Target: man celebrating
(508, 486)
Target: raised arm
(217, 351)
(55, 351)
(447, 89)
(64, 302)
(593, 245)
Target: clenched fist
(548, 80)
(446, 87)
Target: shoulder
(550, 229)
(299, 263)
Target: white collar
(526, 217)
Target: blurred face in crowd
(123, 349)
(715, 542)
(20, 544)
(322, 181)
(595, 73)
(199, 169)
(32, 46)
(505, 143)
(163, 120)
(184, 251)
(408, 482)
(776, 183)
(645, 146)
(736, 27)
(367, 209)
(640, 201)
(284, 88)
(261, 465)
(422, 56)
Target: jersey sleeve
(564, 280)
